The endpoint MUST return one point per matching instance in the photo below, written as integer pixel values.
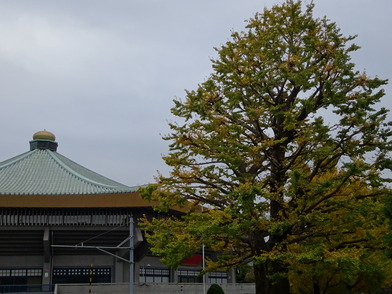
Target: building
(63, 223)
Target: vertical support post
(204, 276)
(131, 258)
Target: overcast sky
(102, 74)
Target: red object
(194, 260)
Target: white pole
(204, 276)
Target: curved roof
(43, 171)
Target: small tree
(215, 289)
(273, 144)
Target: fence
(150, 288)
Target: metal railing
(59, 217)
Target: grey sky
(101, 75)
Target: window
(217, 278)
(154, 275)
(20, 276)
(189, 276)
(5, 272)
(34, 272)
(82, 275)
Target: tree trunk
(264, 285)
(316, 288)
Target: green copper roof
(46, 172)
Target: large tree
(269, 146)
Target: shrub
(215, 289)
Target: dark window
(20, 279)
(66, 275)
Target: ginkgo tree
(346, 252)
(266, 148)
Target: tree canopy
(283, 146)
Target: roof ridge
(76, 174)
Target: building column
(118, 271)
(47, 264)
(173, 275)
(231, 276)
(136, 270)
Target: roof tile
(46, 172)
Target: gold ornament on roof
(44, 135)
